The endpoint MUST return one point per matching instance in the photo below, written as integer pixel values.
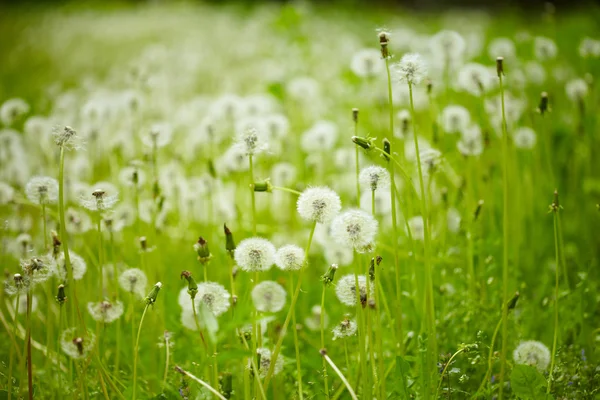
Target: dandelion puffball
(345, 289)
(374, 177)
(411, 69)
(319, 204)
(534, 353)
(289, 257)
(269, 296)
(355, 228)
(42, 190)
(255, 254)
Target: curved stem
(339, 373)
(200, 381)
(490, 355)
(284, 189)
(135, 352)
(444, 371)
(322, 324)
(297, 347)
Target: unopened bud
(500, 66)
(151, 298)
(365, 143)
(61, 297)
(226, 381)
(543, 107)
(328, 277)
(478, 210)
(512, 303)
(201, 248)
(387, 149)
(263, 186)
(355, 115)
(192, 286)
(384, 40)
(372, 270)
(229, 242)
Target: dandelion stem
(339, 373)
(198, 324)
(361, 336)
(322, 325)
(29, 365)
(357, 161)
(200, 381)
(135, 352)
(297, 347)
(167, 354)
(284, 189)
(490, 357)
(437, 392)
(292, 305)
(428, 300)
(555, 209)
(505, 243)
(252, 197)
(12, 350)
(63, 230)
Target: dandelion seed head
(589, 48)
(417, 227)
(318, 204)
(524, 138)
(22, 300)
(374, 177)
(67, 138)
(475, 79)
(99, 200)
(455, 119)
(453, 220)
(533, 353)
(42, 190)
(471, 142)
(134, 280)
(355, 228)
(367, 63)
(544, 48)
(265, 362)
(289, 257)
(345, 289)
(77, 346)
(214, 296)
(411, 69)
(159, 134)
(13, 109)
(17, 284)
(255, 254)
(346, 328)
(38, 269)
(7, 193)
(321, 137)
(268, 296)
(105, 311)
(313, 321)
(577, 90)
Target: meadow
(299, 201)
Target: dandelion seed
(269, 296)
(411, 69)
(355, 228)
(345, 289)
(99, 201)
(289, 257)
(38, 269)
(374, 177)
(255, 254)
(319, 204)
(524, 138)
(534, 353)
(264, 365)
(76, 346)
(134, 280)
(42, 190)
(345, 329)
(105, 311)
(17, 284)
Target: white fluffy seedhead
(105, 311)
(524, 138)
(134, 280)
(214, 296)
(345, 289)
(374, 177)
(455, 119)
(265, 362)
(319, 204)
(289, 257)
(534, 353)
(355, 228)
(269, 296)
(75, 345)
(42, 190)
(411, 69)
(255, 254)
(345, 329)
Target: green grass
(180, 60)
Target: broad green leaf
(401, 375)
(528, 383)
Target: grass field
(191, 194)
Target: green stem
(252, 197)
(322, 324)
(339, 373)
(428, 300)
(63, 232)
(361, 336)
(488, 373)
(135, 352)
(444, 371)
(357, 167)
(297, 347)
(167, 351)
(29, 365)
(556, 282)
(201, 382)
(11, 358)
(505, 244)
(284, 189)
(292, 305)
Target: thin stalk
(167, 355)
(284, 189)
(63, 231)
(201, 382)
(488, 373)
(437, 392)
(297, 347)
(292, 305)
(252, 197)
(504, 243)
(261, 389)
(11, 357)
(44, 226)
(339, 373)
(556, 286)
(135, 352)
(198, 324)
(322, 325)
(361, 337)
(428, 301)
(357, 163)
(398, 319)
(28, 340)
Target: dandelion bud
(56, 243)
(263, 186)
(226, 383)
(512, 303)
(387, 149)
(201, 248)
(365, 143)
(429, 86)
(323, 352)
(543, 107)
(234, 299)
(478, 210)
(60, 296)
(229, 242)
(144, 243)
(372, 270)
(355, 115)
(151, 298)
(500, 66)
(192, 286)
(327, 278)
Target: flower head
(76, 346)
(255, 254)
(577, 90)
(320, 137)
(38, 269)
(345, 329)
(374, 177)
(99, 201)
(13, 109)
(534, 353)
(67, 138)
(524, 138)
(313, 321)
(318, 204)
(455, 119)
(345, 289)
(471, 142)
(411, 69)
(251, 141)
(417, 227)
(42, 190)
(475, 79)
(355, 228)
(78, 266)
(264, 363)
(269, 296)
(366, 63)
(214, 296)
(289, 257)
(17, 284)
(105, 311)
(134, 280)
(544, 48)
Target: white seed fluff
(42, 190)
(255, 254)
(269, 296)
(289, 257)
(265, 362)
(534, 353)
(77, 346)
(134, 280)
(344, 329)
(524, 138)
(345, 289)
(105, 311)
(214, 296)
(319, 204)
(411, 69)
(355, 228)
(455, 119)
(374, 177)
